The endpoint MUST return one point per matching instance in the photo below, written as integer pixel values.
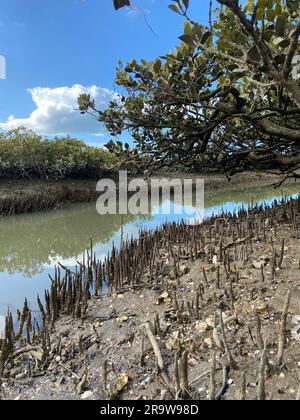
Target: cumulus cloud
(57, 112)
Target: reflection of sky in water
(233, 206)
(15, 287)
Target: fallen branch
(217, 329)
(207, 372)
(282, 332)
(24, 350)
(162, 370)
(69, 371)
(236, 242)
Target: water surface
(31, 245)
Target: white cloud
(57, 112)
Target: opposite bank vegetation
(186, 312)
(36, 172)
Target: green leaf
(188, 39)
(222, 44)
(186, 3)
(278, 9)
(187, 28)
(84, 101)
(174, 8)
(277, 40)
(249, 8)
(198, 30)
(280, 25)
(118, 4)
(253, 53)
(157, 66)
(267, 35)
(260, 14)
(205, 37)
(270, 14)
(281, 42)
(262, 4)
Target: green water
(31, 245)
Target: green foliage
(262, 36)
(24, 154)
(228, 96)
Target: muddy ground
(110, 353)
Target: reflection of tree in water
(28, 242)
(247, 195)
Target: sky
(56, 49)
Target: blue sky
(57, 48)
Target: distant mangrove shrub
(24, 154)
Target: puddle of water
(31, 245)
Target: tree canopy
(26, 155)
(228, 96)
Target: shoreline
(22, 197)
(30, 196)
(181, 279)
